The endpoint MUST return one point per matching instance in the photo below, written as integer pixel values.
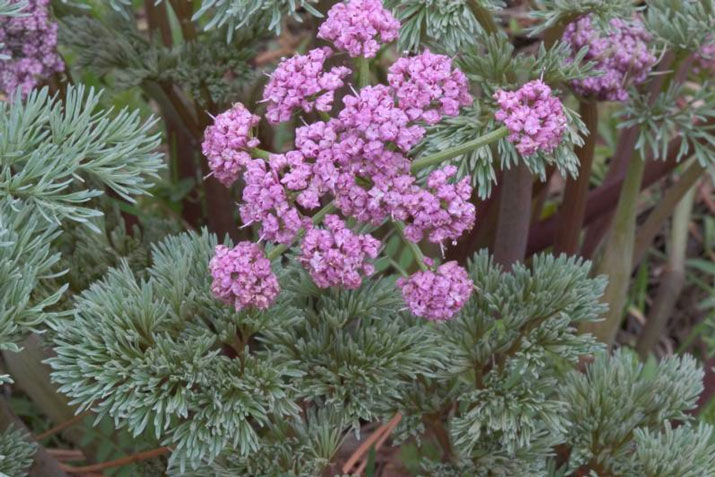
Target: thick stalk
(624, 152)
(601, 202)
(541, 193)
(184, 12)
(618, 254)
(673, 279)
(573, 209)
(183, 165)
(672, 197)
(459, 150)
(514, 216)
(158, 21)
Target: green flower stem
(260, 153)
(363, 72)
(672, 280)
(317, 219)
(573, 208)
(618, 253)
(416, 166)
(455, 151)
(416, 251)
(664, 209)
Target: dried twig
(150, 454)
(62, 426)
(376, 436)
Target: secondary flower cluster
(242, 276)
(437, 295)
(227, 143)
(621, 54)
(266, 202)
(29, 43)
(443, 211)
(335, 256)
(359, 26)
(427, 87)
(301, 82)
(534, 117)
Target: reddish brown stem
(158, 21)
(184, 12)
(570, 218)
(601, 202)
(541, 193)
(514, 216)
(708, 385)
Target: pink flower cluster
(335, 256)
(265, 202)
(300, 82)
(427, 87)
(30, 44)
(374, 120)
(359, 159)
(621, 54)
(227, 141)
(437, 295)
(355, 26)
(534, 117)
(242, 276)
(443, 212)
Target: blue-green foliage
(449, 25)
(16, 453)
(620, 413)
(56, 156)
(167, 357)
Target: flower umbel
(535, 118)
(242, 276)
(427, 87)
(359, 27)
(300, 82)
(443, 211)
(621, 54)
(360, 163)
(29, 42)
(266, 202)
(335, 256)
(226, 143)
(437, 295)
